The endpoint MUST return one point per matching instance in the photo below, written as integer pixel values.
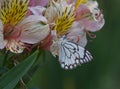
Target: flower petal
(2, 42)
(96, 21)
(91, 16)
(51, 13)
(37, 10)
(77, 34)
(81, 12)
(33, 29)
(38, 2)
(33, 19)
(93, 25)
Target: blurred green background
(102, 73)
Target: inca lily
(18, 31)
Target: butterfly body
(71, 54)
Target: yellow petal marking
(64, 21)
(79, 2)
(12, 11)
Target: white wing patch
(71, 55)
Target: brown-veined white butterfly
(71, 54)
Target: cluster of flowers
(59, 26)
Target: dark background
(101, 73)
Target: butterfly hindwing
(71, 55)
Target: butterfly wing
(71, 55)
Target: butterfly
(71, 54)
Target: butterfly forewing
(71, 55)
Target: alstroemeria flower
(72, 20)
(54, 15)
(16, 30)
(65, 25)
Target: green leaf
(3, 70)
(11, 78)
(4, 57)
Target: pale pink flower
(18, 31)
(65, 24)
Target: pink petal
(2, 42)
(95, 21)
(38, 2)
(86, 14)
(37, 10)
(94, 24)
(51, 13)
(71, 1)
(33, 31)
(77, 34)
(81, 12)
(33, 19)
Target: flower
(16, 30)
(74, 18)
(70, 21)
(57, 19)
(65, 24)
